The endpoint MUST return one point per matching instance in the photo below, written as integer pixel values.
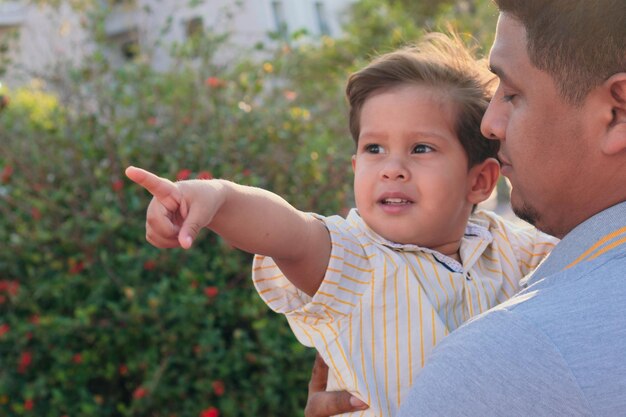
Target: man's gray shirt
(558, 348)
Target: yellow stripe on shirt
(587, 255)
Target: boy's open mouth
(395, 201)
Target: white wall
(49, 36)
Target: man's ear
(483, 178)
(615, 138)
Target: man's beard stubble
(527, 213)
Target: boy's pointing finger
(160, 188)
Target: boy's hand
(178, 211)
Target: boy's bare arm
(251, 219)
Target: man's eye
(373, 148)
(508, 97)
(422, 149)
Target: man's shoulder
(505, 361)
(562, 304)
(578, 286)
(560, 342)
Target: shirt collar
(583, 237)
(476, 233)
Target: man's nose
(493, 125)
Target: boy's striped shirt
(382, 306)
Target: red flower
(4, 329)
(117, 185)
(210, 412)
(77, 358)
(4, 101)
(123, 369)
(251, 358)
(140, 392)
(76, 267)
(25, 360)
(213, 82)
(14, 287)
(149, 265)
(10, 287)
(290, 95)
(211, 291)
(152, 121)
(28, 404)
(35, 213)
(7, 171)
(3, 299)
(183, 174)
(204, 175)
(34, 319)
(218, 388)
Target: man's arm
(249, 218)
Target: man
(558, 348)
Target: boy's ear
(353, 163)
(614, 140)
(483, 178)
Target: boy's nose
(395, 169)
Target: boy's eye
(373, 148)
(421, 148)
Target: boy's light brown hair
(438, 61)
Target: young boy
(374, 292)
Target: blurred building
(34, 39)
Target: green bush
(96, 322)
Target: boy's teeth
(395, 201)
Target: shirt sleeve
(495, 365)
(348, 276)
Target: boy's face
(411, 177)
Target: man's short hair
(580, 43)
(437, 61)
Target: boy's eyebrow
(415, 133)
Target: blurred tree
(474, 18)
(94, 321)
(421, 11)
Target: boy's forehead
(438, 97)
(419, 99)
